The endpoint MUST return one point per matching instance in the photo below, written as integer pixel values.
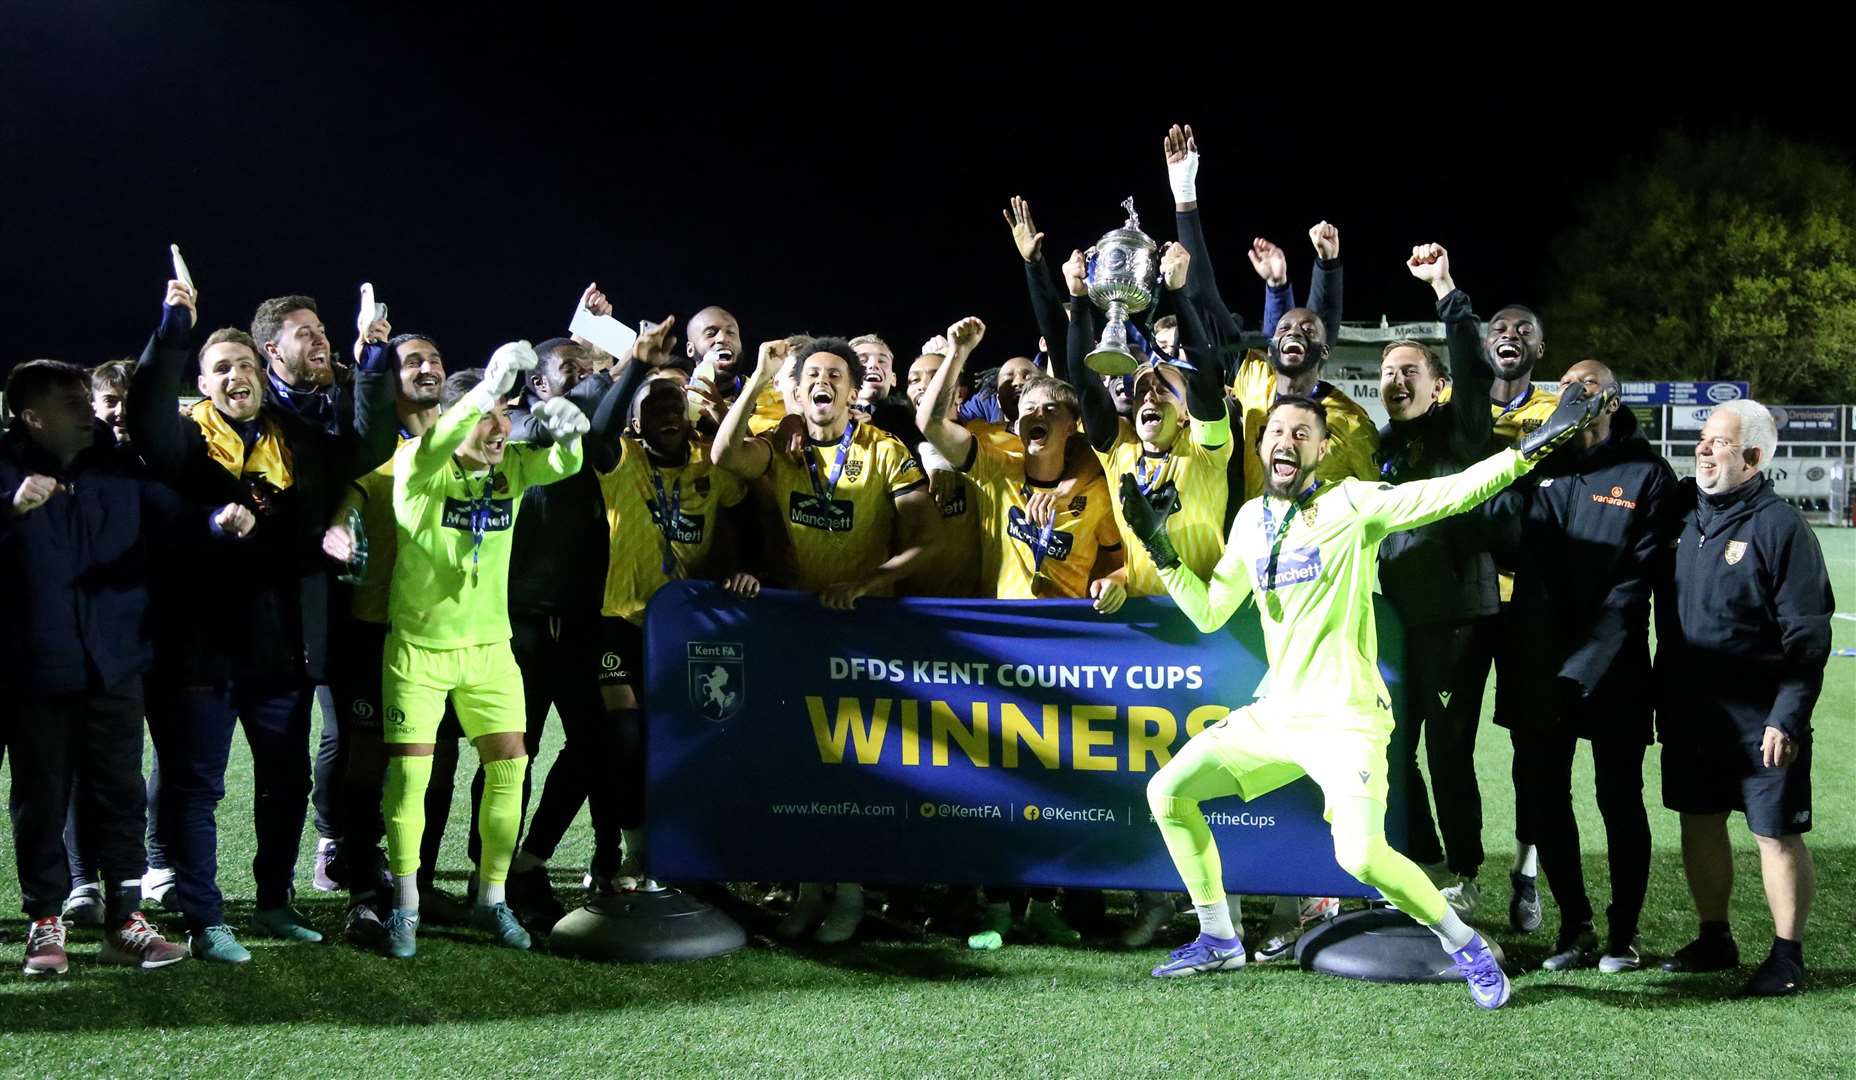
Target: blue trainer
(217, 945)
(1488, 983)
(1202, 954)
(501, 923)
(402, 934)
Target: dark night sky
(480, 168)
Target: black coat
(260, 610)
(1442, 573)
(1742, 618)
(1587, 530)
(75, 571)
(562, 542)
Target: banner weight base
(1380, 944)
(646, 927)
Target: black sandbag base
(646, 927)
(1379, 944)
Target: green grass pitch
(907, 1007)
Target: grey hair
(1757, 431)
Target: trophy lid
(1134, 219)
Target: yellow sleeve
(902, 473)
(1214, 435)
(1210, 605)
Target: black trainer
(531, 896)
(1777, 977)
(1523, 902)
(1709, 952)
(1574, 950)
(364, 927)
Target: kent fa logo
(718, 679)
(1736, 550)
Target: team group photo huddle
(576, 654)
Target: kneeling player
(1306, 550)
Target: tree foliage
(1732, 257)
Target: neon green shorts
(482, 681)
(1263, 748)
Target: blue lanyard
(825, 488)
(1041, 546)
(1148, 480)
(480, 509)
(1273, 535)
(1520, 399)
(667, 511)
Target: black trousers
(327, 794)
(1492, 646)
(559, 658)
(1543, 764)
(1445, 672)
(90, 741)
(192, 729)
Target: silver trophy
(1123, 274)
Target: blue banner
(1681, 393)
(979, 742)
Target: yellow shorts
(1263, 748)
(482, 681)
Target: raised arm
(566, 427)
(733, 449)
(1182, 166)
(1046, 301)
(1272, 265)
(935, 415)
(1100, 421)
(454, 425)
(155, 427)
(1392, 508)
(1205, 375)
(1472, 427)
(1324, 287)
(370, 432)
(376, 426)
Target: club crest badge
(1736, 550)
(717, 679)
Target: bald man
(1585, 533)
(714, 348)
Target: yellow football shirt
(372, 495)
(1517, 418)
(1084, 525)
(647, 505)
(1353, 440)
(842, 533)
(952, 570)
(1198, 473)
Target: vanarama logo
(1616, 498)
